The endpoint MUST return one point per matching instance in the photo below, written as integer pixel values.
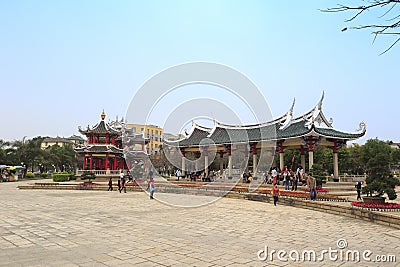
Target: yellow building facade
(153, 133)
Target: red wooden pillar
(115, 162)
(91, 161)
(113, 140)
(106, 165)
(310, 144)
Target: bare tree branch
(377, 29)
(390, 47)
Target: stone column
(246, 155)
(206, 160)
(196, 163)
(310, 153)
(254, 150)
(303, 157)
(310, 159)
(183, 162)
(221, 162)
(281, 158)
(335, 160)
(229, 148)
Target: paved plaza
(99, 228)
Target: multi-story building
(74, 141)
(151, 132)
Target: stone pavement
(96, 228)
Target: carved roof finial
(320, 102)
(103, 115)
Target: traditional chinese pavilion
(104, 147)
(304, 133)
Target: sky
(63, 62)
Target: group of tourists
(311, 184)
(291, 179)
(196, 176)
(122, 183)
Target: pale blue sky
(63, 62)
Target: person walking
(123, 185)
(295, 181)
(274, 176)
(312, 184)
(110, 185)
(151, 187)
(358, 187)
(178, 173)
(275, 193)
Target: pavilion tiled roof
(313, 123)
(100, 128)
(97, 148)
(338, 134)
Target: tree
(4, 145)
(63, 158)
(387, 21)
(377, 156)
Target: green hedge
(44, 175)
(62, 177)
(29, 175)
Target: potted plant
(88, 175)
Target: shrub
(61, 177)
(44, 175)
(30, 175)
(72, 176)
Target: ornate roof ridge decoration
(202, 127)
(315, 115)
(288, 117)
(195, 127)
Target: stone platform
(100, 228)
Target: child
(110, 188)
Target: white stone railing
(102, 172)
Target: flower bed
(376, 207)
(305, 196)
(319, 191)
